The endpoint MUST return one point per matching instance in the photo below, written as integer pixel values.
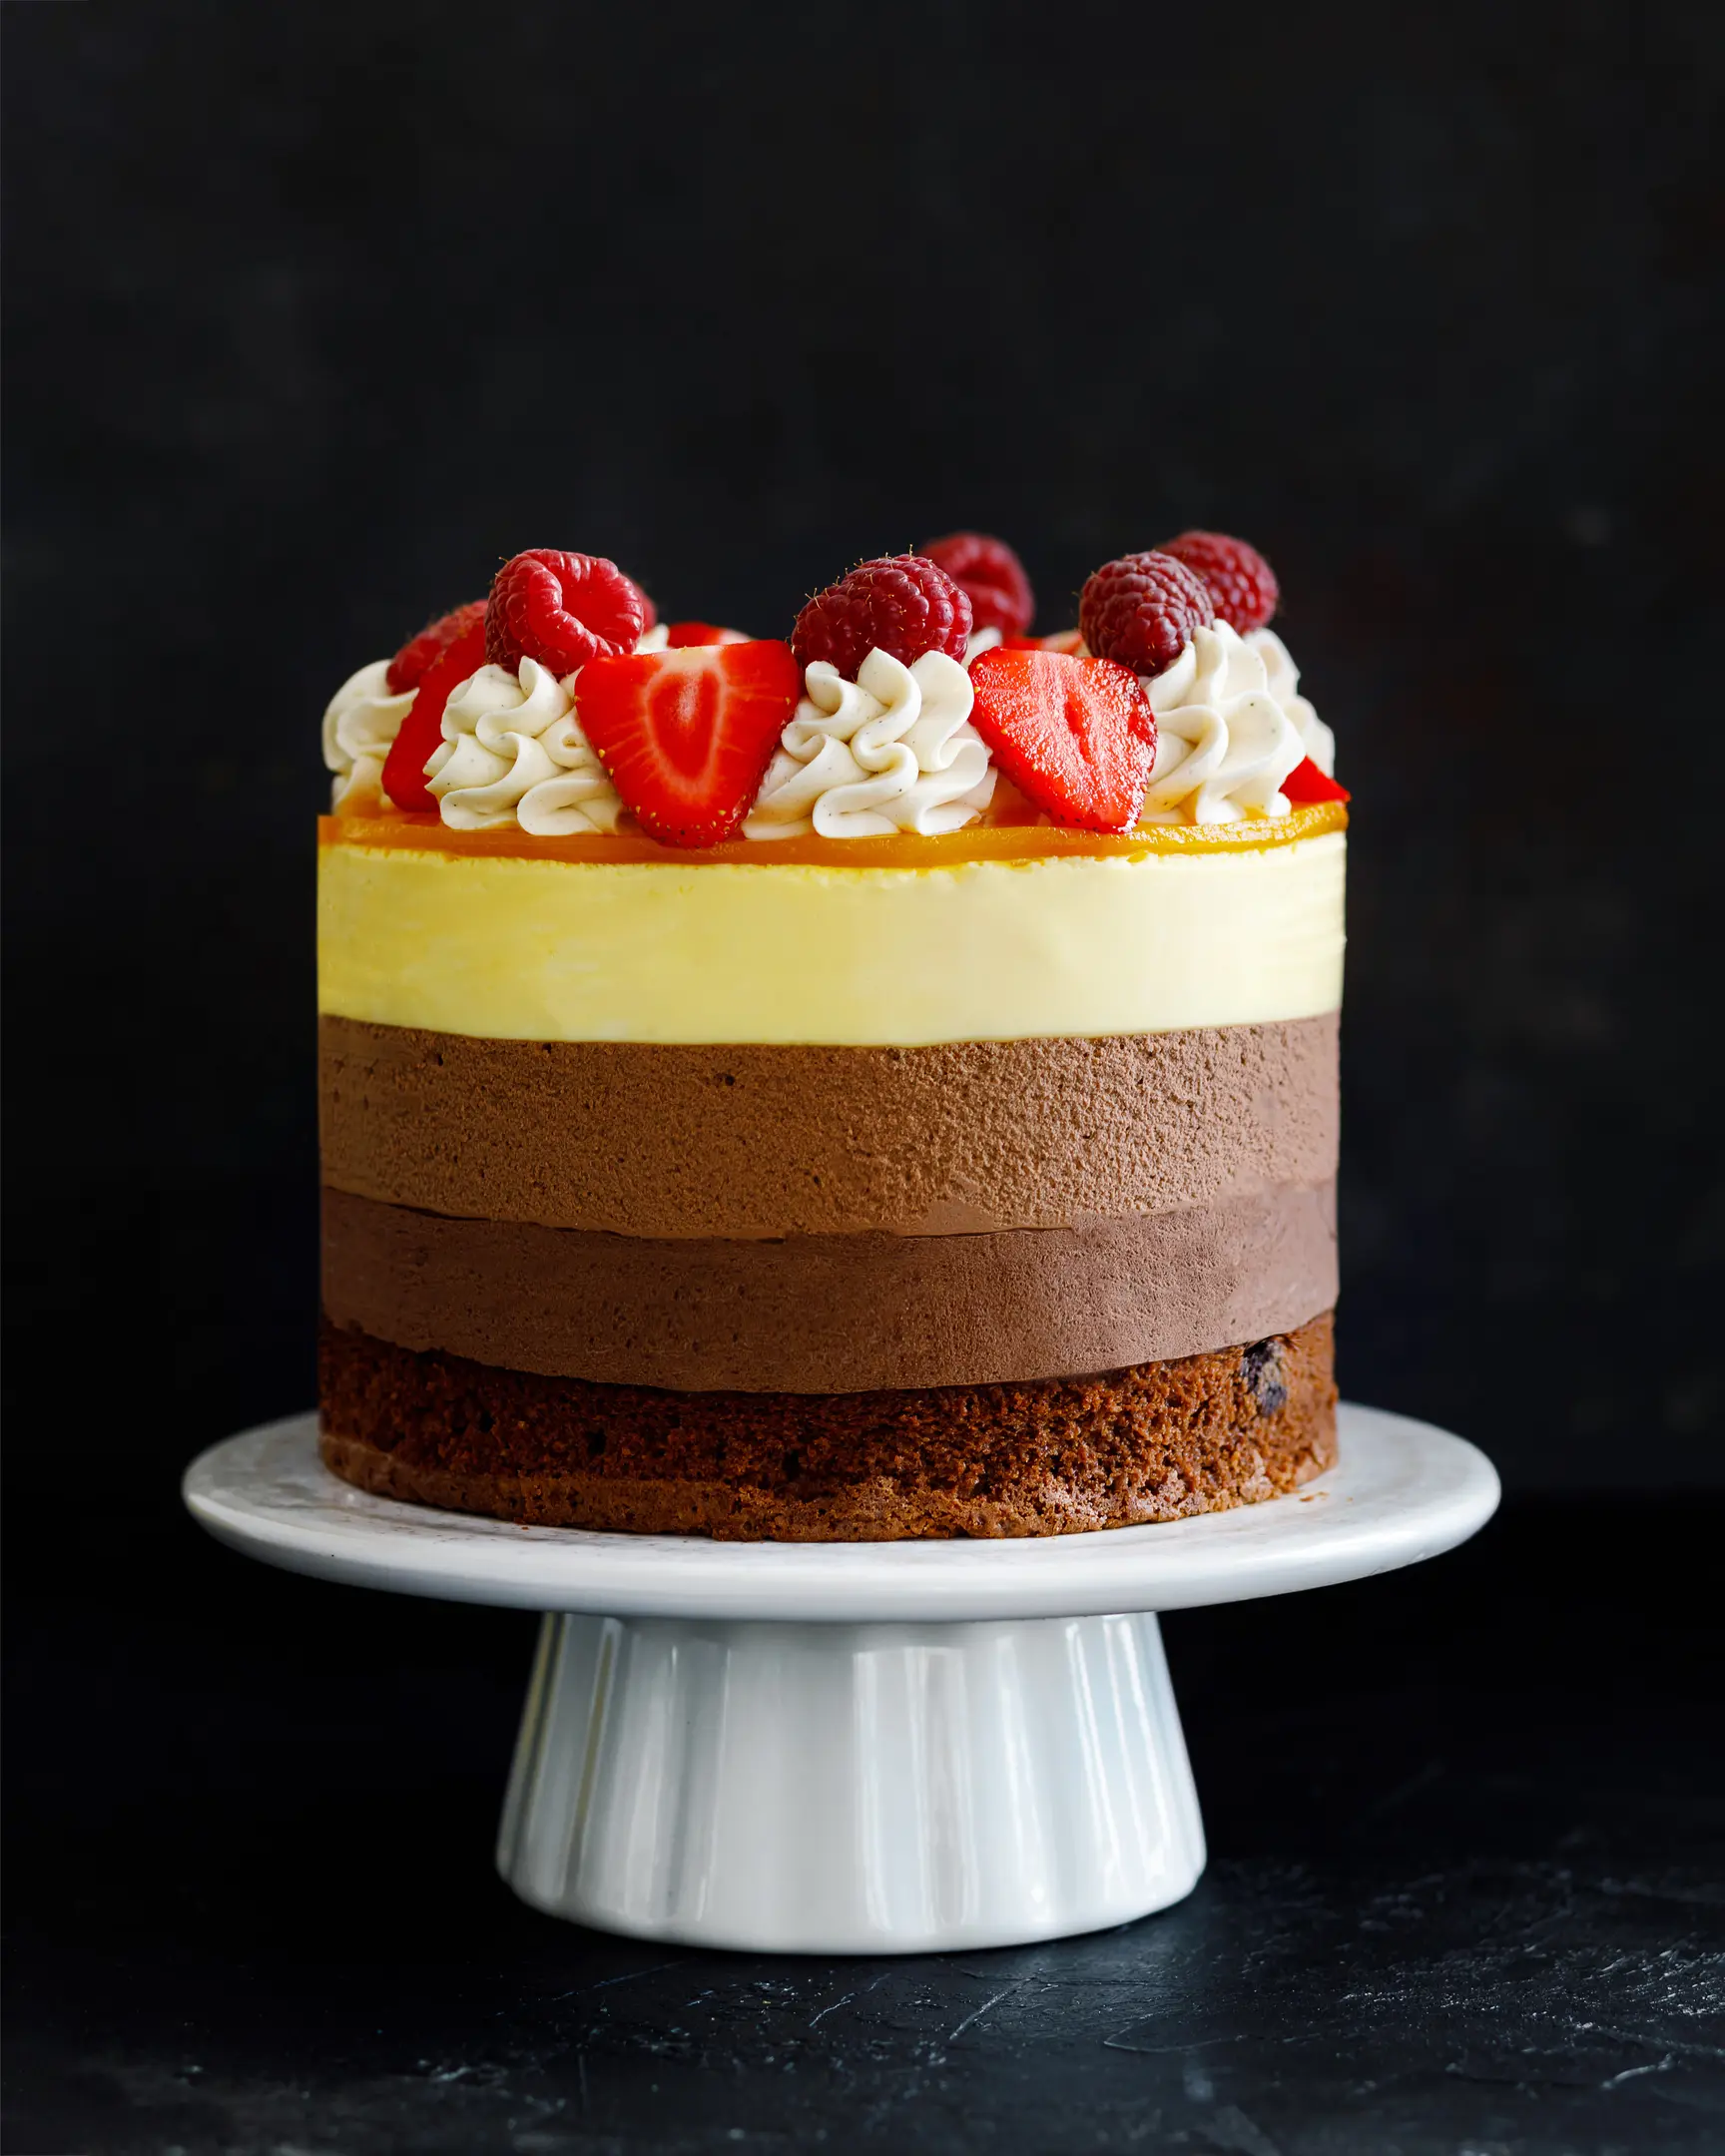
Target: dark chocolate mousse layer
(656, 1140)
(832, 1313)
(1155, 1442)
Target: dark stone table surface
(1464, 1894)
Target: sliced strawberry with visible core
(423, 729)
(687, 734)
(1306, 783)
(1077, 736)
(683, 634)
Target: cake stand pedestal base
(837, 1789)
(852, 1748)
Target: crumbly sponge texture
(1158, 1442)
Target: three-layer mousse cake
(881, 1085)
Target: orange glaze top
(982, 841)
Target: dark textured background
(316, 310)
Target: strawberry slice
(681, 634)
(1306, 783)
(423, 729)
(687, 734)
(1076, 735)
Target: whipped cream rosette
(361, 720)
(1224, 741)
(513, 753)
(1282, 678)
(892, 750)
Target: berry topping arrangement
(562, 610)
(1172, 701)
(991, 576)
(901, 604)
(687, 734)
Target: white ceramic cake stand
(851, 1748)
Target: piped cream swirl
(360, 721)
(1283, 681)
(1224, 741)
(892, 750)
(513, 753)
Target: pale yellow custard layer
(516, 947)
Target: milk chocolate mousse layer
(832, 1313)
(1155, 1442)
(645, 1139)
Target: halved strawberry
(1306, 783)
(1075, 734)
(687, 734)
(423, 729)
(683, 634)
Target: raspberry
(648, 611)
(418, 657)
(899, 604)
(986, 568)
(1142, 610)
(1242, 583)
(560, 609)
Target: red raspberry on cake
(420, 654)
(1143, 609)
(901, 604)
(648, 611)
(993, 576)
(1075, 735)
(687, 734)
(423, 729)
(1242, 584)
(562, 610)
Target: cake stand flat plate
(1403, 1491)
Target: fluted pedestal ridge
(851, 1789)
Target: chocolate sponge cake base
(1060, 1456)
